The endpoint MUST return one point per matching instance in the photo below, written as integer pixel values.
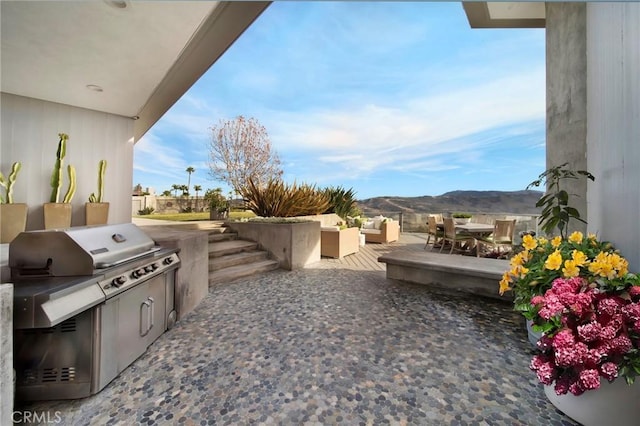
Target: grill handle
(142, 316)
(151, 312)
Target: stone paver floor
(328, 346)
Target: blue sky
(386, 98)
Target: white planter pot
(612, 404)
(534, 336)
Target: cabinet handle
(146, 329)
(151, 312)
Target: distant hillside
(457, 201)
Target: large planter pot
(216, 215)
(461, 220)
(13, 220)
(534, 336)
(96, 213)
(612, 404)
(57, 215)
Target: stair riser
(220, 253)
(220, 262)
(219, 277)
(225, 236)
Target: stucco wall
(566, 51)
(29, 129)
(613, 131)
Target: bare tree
(240, 149)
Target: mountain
(523, 202)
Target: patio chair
(502, 236)
(432, 230)
(453, 237)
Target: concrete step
(221, 262)
(223, 248)
(239, 271)
(222, 236)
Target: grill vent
(69, 326)
(49, 375)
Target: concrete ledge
(451, 272)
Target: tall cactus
(8, 183)
(102, 167)
(72, 184)
(56, 176)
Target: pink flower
(609, 306)
(634, 291)
(544, 343)
(607, 333)
(621, 344)
(631, 312)
(563, 339)
(546, 374)
(569, 356)
(636, 326)
(562, 384)
(592, 359)
(589, 379)
(589, 332)
(576, 388)
(537, 300)
(609, 371)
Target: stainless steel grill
(88, 302)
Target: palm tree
(166, 193)
(175, 187)
(189, 170)
(197, 188)
(184, 189)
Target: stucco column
(6, 353)
(566, 65)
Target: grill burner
(88, 301)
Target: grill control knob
(154, 266)
(138, 273)
(148, 269)
(168, 261)
(118, 281)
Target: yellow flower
(592, 236)
(570, 269)
(554, 261)
(542, 241)
(529, 243)
(576, 237)
(504, 283)
(579, 258)
(519, 259)
(555, 242)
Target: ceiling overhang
(123, 57)
(505, 14)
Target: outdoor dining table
(475, 230)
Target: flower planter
(57, 215)
(461, 220)
(533, 336)
(13, 220)
(612, 404)
(96, 213)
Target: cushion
(368, 225)
(371, 231)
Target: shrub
(277, 199)
(146, 211)
(341, 202)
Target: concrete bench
(473, 275)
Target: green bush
(342, 202)
(278, 199)
(146, 211)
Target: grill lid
(76, 251)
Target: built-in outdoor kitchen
(89, 300)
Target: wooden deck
(367, 258)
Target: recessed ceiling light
(94, 87)
(118, 4)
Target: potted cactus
(97, 211)
(14, 215)
(56, 214)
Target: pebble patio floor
(328, 346)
